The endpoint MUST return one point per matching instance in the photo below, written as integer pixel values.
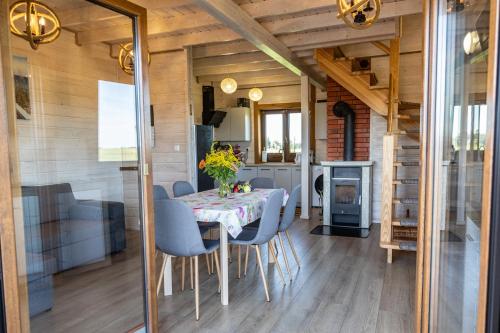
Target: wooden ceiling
(293, 29)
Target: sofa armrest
(111, 210)
(86, 212)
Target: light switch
(177, 147)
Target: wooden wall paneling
(492, 102)
(14, 277)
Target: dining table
(232, 213)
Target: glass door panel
(80, 210)
(462, 112)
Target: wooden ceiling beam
(179, 42)
(92, 13)
(241, 22)
(237, 68)
(234, 59)
(247, 75)
(230, 48)
(256, 81)
(330, 20)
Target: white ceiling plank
(255, 81)
(231, 48)
(241, 22)
(197, 38)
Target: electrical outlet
(177, 147)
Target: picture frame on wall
(22, 87)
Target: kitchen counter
(270, 164)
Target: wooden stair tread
(400, 245)
(407, 163)
(408, 105)
(379, 87)
(410, 223)
(406, 181)
(405, 201)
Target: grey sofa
(62, 232)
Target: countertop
(271, 164)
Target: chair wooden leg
(277, 263)
(212, 262)
(230, 253)
(239, 261)
(262, 275)
(208, 264)
(292, 247)
(196, 288)
(183, 273)
(282, 245)
(191, 271)
(246, 261)
(217, 267)
(158, 285)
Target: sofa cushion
(54, 200)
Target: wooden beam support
(394, 63)
(237, 68)
(381, 46)
(230, 14)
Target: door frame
(428, 189)
(15, 286)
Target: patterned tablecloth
(235, 211)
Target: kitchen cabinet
(267, 172)
(283, 178)
(247, 173)
(296, 179)
(236, 125)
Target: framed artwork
(22, 87)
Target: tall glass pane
(79, 226)
(274, 132)
(295, 131)
(456, 246)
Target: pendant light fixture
(126, 58)
(228, 85)
(255, 94)
(358, 14)
(34, 22)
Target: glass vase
(224, 189)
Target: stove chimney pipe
(343, 110)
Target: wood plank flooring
(344, 285)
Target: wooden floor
(344, 285)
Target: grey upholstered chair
(262, 182)
(285, 223)
(177, 234)
(182, 188)
(264, 234)
(159, 193)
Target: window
(117, 123)
(282, 134)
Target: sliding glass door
(79, 145)
(457, 206)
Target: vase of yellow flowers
(222, 165)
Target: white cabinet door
(283, 178)
(247, 173)
(296, 178)
(240, 124)
(267, 172)
(223, 133)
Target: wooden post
(387, 192)
(305, 98)
(394, 62)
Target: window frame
(288, 156)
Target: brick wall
(335, 144)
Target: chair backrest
(176, 230)
(262, 182)
(270, 219)
(182, 188)
(289, 213)
(159, 193)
